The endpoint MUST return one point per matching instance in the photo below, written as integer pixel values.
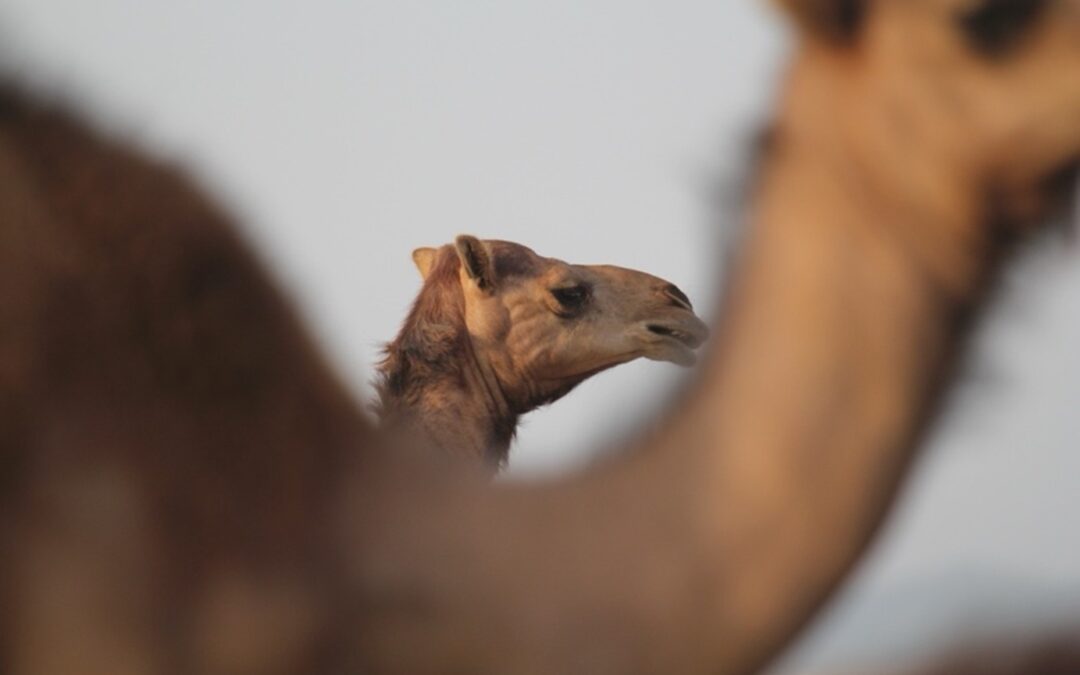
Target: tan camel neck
(498, 421)
(833, 308)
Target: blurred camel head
(958, 118)
(498, 330)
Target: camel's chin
(672, 351)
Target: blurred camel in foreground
(187, 488)
(498, 330)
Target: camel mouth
(690, 340)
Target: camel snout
(675, 338)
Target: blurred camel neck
(839, 335)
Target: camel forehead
(515, 260)
(512, 260)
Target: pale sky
(345, 134)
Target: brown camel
(914, 142)
(185, 487)
(498, 330)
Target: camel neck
(838, 336)
(443, 390)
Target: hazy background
(344, 134)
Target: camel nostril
(676, 295)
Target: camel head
(955, 105)
(543, 325)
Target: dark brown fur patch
(993, 27)
(834, 20)
(511, 260)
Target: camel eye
(571, 298)
(993, 26)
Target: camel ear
(424, 258)
(476, 259)
(835, 21)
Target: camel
(498, 330)
(915, 143)
(187, 488)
